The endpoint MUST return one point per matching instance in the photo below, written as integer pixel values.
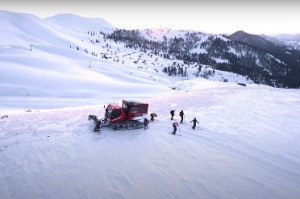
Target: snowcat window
(139, 109)
(142, 110)
(115, 113)
(108, 113)
(133, 109)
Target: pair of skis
(179, 134)
(175, 134)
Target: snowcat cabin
(134, 108)
(114, 113)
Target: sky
(255, 17)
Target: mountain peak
(252, 40)
(240, 32)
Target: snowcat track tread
(127, 125)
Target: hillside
(248, 55)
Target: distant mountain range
(256, 57)
(263, 59)
(287, 37)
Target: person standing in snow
(181, 115)
(175, 125)
(146, 122)
(152, 116)
(172, 114)
(194, 123)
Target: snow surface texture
(247, 144)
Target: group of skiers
(175, 124)
(181, 114)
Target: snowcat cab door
(108, 112)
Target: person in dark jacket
(153, 115)
(146, 122)
(172, 114)
(194, 123)
(175, 125)
(181, 115)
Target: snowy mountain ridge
(249, 55)
(80, 24)
(40, 59)
(275, 66)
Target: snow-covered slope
(80, 24)
(246, 146)
(293, 44)
(42, 73)
(44, 61)
(19, 29)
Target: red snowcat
(128, 116)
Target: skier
(152, 116)
(194, 123)
(181, 115)
(172, 114)
(146, 122)
(175, 125)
